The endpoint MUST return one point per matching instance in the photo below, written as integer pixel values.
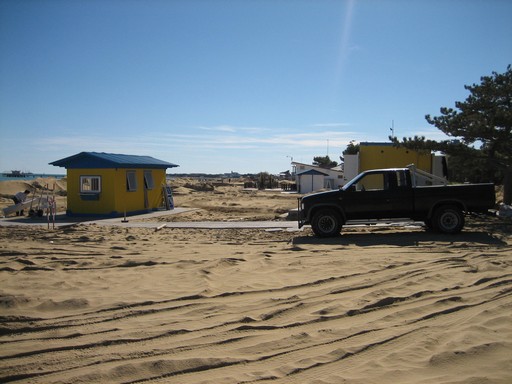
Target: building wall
(83, 203)
(383, 156)
(310, 183)
(141, 199)
(114, 199)
(351, 167)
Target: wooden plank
(160, 227)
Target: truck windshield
(352, 182)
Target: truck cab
(378, 194)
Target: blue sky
(223, 85)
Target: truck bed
(473, 197)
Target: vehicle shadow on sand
(405, 238)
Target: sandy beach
(103, 304)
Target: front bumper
(301, 217)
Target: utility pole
(392, 129)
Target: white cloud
(330, 125)
(233, 129)
(220, 128)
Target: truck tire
(448, 219)
(326, 223)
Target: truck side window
(371, 182)
(401, 179)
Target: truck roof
(386, 169)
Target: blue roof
(312, 172)
(110, 160)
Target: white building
(311, 178)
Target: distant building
(285, 175)
(311, 178)
(108, 184)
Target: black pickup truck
(393, 194)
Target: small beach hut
(108, 184)
(310, 180)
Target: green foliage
(482, 125)
(324, 162)
(352, 148)
(265, 180)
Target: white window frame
(131, 181)
(149, 182)
(93, 182)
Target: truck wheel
(448, 219)
(326, 223)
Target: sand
(96, 304)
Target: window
(401, 180)
(131, 181)
(371, 182)
(90, 184)
(148, 180)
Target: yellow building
(107, 184)
(386, 155)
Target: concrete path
(277, 225)
(62, 220)
(134, 222)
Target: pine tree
(482, 130)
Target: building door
(148, 185)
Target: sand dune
(91, 304)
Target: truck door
(401, 198)
(377, 196)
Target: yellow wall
(114, 199)
(155, 197)
(135, 201)
(383, 156)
